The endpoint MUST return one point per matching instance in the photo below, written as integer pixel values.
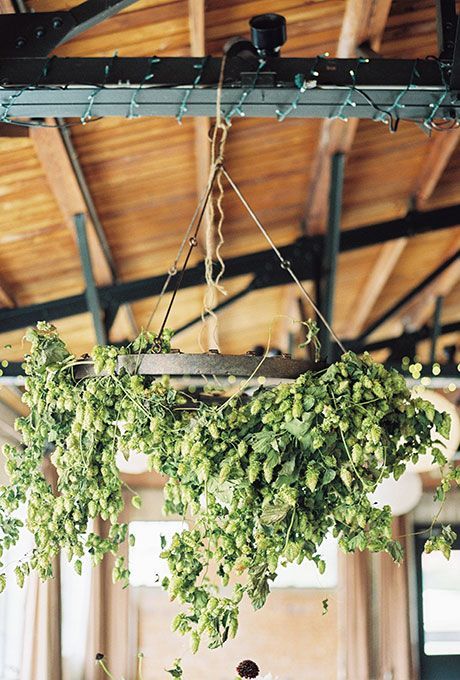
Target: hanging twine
(215, 219)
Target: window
(13, 610)
(306, 575)
(148, 569)
(145, 564)
(441, 603)
(438, 586)
(75, 603)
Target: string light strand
(149, 76)
(87, 113)
(238, 107)
(183, 107)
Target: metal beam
(331, 249)
(393, 343)
(436, 327)
(446, 24)
(303, 255)
(399, 304)
(38, 34)
(78, 87)
(91, 293)
(93, 12)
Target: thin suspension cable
(173, 269)
(285, 264)
(192, 244)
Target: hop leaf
(136, 501)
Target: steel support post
(91, 292)
(331, 250)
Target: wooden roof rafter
(441, 147)
(363, 21)
(68, 193)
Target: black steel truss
(304, 255)
(41, 87)
(37, 34)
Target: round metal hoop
(210, 364)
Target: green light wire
(435, 106)
(349, 98)
(238, 107)
(133, 103)
(183, 107)
(5, 118)
(87, 115)
(302, 84)
(397, 102)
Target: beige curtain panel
(42, 634)
(109, 616)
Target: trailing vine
(260, 481)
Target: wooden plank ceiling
(144, 176)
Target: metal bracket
(38, 34)
(448, 26)
(446, 23)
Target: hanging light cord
(285, 264)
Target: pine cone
(247, 669)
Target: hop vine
(259, 480)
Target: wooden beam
(6, 297)
(364, 20)
(11, 397)
(375, 283)
(55, 161)
(8, 130)
(62, 181)
(6, 7)
(61, 178)
(442, 146)
(421, 310)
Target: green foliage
(262, 481)
(176, 670)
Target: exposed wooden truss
(422, 308)
(364, 20)
(65, 187)
(339, 136)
